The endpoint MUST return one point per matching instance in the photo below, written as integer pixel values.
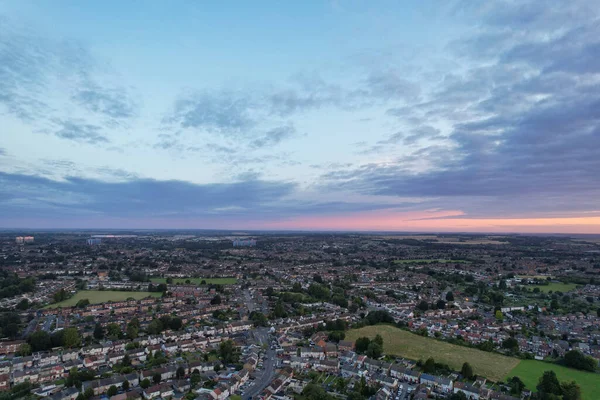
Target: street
(268, 372)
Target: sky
(433, 116)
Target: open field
(102, 296)
(530, 371)
(450, 239)
(198, 281)
(556, 287)
(418, 261)
(415, 347)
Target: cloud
(79, 131)
(110, 102)
(524, 128)
(2, 152)
(41, 78)
(274, 136)
(132, 197)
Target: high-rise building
(244, 243)
(94, 242)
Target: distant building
(244, 243)
(24, 239)
(93, 242)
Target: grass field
(197, 281)
(408, 345)
(418, 261)
(102, 296)
(530, 371)
(555, 287)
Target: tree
(71, 338)
(156, 378)
(378, 339)
(336, 336)
(125, 386)
(362, 344)
(548, 384)
(132, 331)
(516, 385)
(460, 395)
(169, 281)
(180, 373)
(145, 384)
(375, 350)
(554, 304)
(578, 360)
(126, 361)
(23, 304)
(467, 371)
(423, 306)
(279, 310)
(216, 300)
(317, 278)
(112, 390)
(571, 391)
(441, 304)
(98, 331)
(176, 323)
(510, 344)
(429, 366)
(499, 315)
(113, 330)
(24, 350)
(449, 296)
(83, 303)
(154, 327)
(40, 341)
(227, 352)
(89, 393)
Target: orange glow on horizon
(439, 221)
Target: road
(268, 372)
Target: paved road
(268, 372)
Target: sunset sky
(314, 115)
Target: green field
(198, 281)
(415, 347)
(102, 296)
(555, 287)
(427, 261)
(530, 371)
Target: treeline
(11, 285)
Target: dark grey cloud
(134, 197)
(79, 131)
(525, 122)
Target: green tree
(112, 390)
(216, 299)
(125, 385)
(449, 296)
(40, 341)
(423, 306)
(548, 384)
(89, 393)
(154, 327)
(516, 385)
(429, 366)
(176, 323)
(98, 331)
(571, 391)
(378, 339)
(132, 331)
(375, 350)
(180, 373)
(23, 304)
(279, 310)
(576, 359)
(113, 331)
(228, 352)
(467, 371)
(24, 350)
(499, 315)
(510, 344)
(362, 344)
(440, 305)
(71, 338)
(156, 378)
(460, 395)
(145, 384)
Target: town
(217, 315)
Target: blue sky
(394, 115)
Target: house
(470, 391)
(346, 345)
(411, 376)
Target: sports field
(415, 347)
(102, 296)
(427, 261)
(198, 281)
(530, 371)
(555, 287)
